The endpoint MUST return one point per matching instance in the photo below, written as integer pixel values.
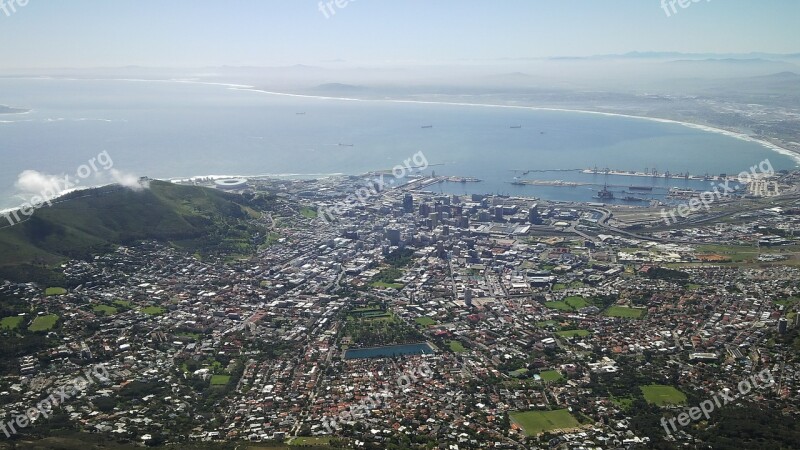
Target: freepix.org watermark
(417, 162)
(706, 199)
(670, 6)
(50, 187)
(375, 400)
(58, 397)
(9, 7)
(761, 380)
(328, 7)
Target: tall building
(783, 325)
(533, 215)
(393, 235)
(498, 213)
(434, 218)
(408, 203)
(424, 209)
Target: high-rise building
(783, 325)
(408, 203)
(393, 235)
(434, 218)
(424, 209)
(498, 213)
(533, 215)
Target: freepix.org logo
(9, 7)
(670, 6)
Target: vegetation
(10, 323)
(375, 326)
(661, 395)
(400, 258)
(456, 346)
(661, 273)
(220, 380)
(550, 376)
(386, 279)
(93, 221)
(44, 323)
(574, 333)
(51, 291)
(624, 312)
(425, 321)
(104, 310)
(308, 213)
(153, 310)
(536, 422)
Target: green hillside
(88, 222)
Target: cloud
(127, 180)
(34, 182)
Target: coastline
(795, 155)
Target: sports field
(661, 395)
(537, 422)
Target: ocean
(168, 129)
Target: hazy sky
(175, 33)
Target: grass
(536, 422)
(736, 253)
(104, 310)
(787, 302)
(88, 223)
(576, 302)
(44, 323)
(309, 440)
(561, 306)
(624, 403)
(624, 312)
(308, 213)
(385, 285)
(661, 395)
(548, 376)
(192, 336)
(572, 303)
(54, 291)
(425, 321)
(123, 303)
(10, 323)
(574, 333)
(456, 346)
(519, 372)
(153, 310)
(220, 380)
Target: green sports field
(624, 312)
(537, 422)
(661, 395)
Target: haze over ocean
(168, 130)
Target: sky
(201, 33)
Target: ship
(631, 198)
(641, 188)
(605, 194)
(427, 126)
(516, 126)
